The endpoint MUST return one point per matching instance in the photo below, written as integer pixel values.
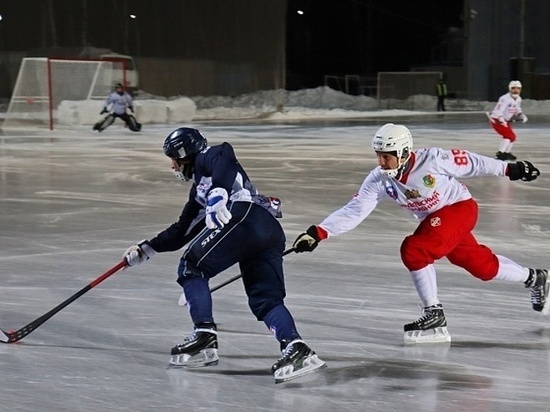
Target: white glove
(524, 118)
(139, 253)
(503, 121)
(217, 214)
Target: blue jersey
(215, 166)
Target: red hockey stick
(14, 336)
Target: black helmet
(184, 142)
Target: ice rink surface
(73, 201)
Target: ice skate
(501, 156)
(198, 350)
(297, 360)
(538, 282)
(430, 328)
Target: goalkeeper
(119, 102)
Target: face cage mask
(396, 173)
(185, 173)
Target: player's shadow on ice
(407, 373)
(540, 345)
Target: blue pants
(255, 240)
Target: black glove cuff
(312, 231)
(515, 171)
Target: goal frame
(107, 71)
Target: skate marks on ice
(398, 374)
(521, 346)
(404, 374)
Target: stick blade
(3, 337)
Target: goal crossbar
(43, 83)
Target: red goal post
(43, 83)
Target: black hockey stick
(234, 278)
(14, 336)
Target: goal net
(43, 83)
(401, 85)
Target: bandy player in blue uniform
(425, 183)
(226, 221)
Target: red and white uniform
(507, 108)
(431, 192)
(429, 185)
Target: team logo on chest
(429, 181)
(412, 194)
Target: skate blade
(436, 335)
(310, 365)
(206, 357)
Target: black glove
(104, 110)
(308, 241)
(523, 170)
(131, 108)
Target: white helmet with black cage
(514, 87)
(397, 140)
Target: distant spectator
(441, 92)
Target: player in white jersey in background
(119, 101)
(425, 183)
(507, 110)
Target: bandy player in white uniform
(507, 110)
(425, 183)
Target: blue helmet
(184, 143)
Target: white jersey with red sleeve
(507, 108)
(429, 184)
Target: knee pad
(133, 125)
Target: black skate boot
(197, 350)
(538, 282)
(511, 156)
(430, 328)
(501, 156)
(297, 360)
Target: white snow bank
(86, 112)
